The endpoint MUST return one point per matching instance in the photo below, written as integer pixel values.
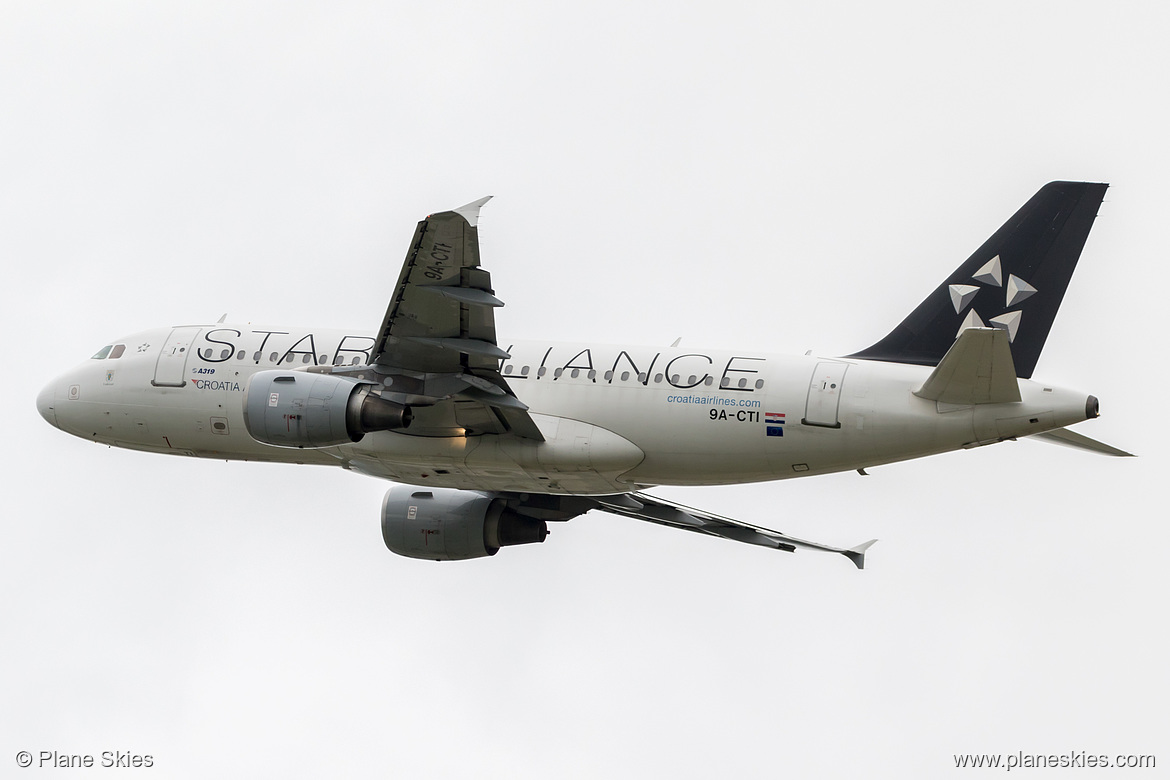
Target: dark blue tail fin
(1015, 281)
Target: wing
(545, 507)
(436, 350)
(441, 317)
(656, 510)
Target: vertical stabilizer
(1014, 282)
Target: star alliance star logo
(1016, 290)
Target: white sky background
(774, 176)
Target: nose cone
(45, 402)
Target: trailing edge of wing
(977, 369)
(656, 510)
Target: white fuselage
(614, 418)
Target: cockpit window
(103, 352)
(117, 351)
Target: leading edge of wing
(656, 510)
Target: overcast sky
(774, 176)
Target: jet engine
(299, 409)
(442, 524)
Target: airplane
(492, 443)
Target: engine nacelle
(442, 524)
(300, 409)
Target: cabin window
(674, 379)
(658, 379)
(272, 358)
(692, 380)
(507, 370)
(524, 371)
(240, 355)
(306, 359)
(354, 362)
(557, 373)
(759, 383)
(592, 374)
(625, 376)
(103, 353)
(117, 351)
(608, 376)
(227, 353)
(743, 383)
(324, 359)
(642, 377)
(710, 380)
(256, 357)
(540, 371)
(724, 382)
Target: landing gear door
(824, 395)
(170, 370)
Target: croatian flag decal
(775, 423)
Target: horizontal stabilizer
(977, 369)
(1067, 438)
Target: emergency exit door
(170, 370)
(824, 395)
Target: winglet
(470, 212)
(857, 554)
